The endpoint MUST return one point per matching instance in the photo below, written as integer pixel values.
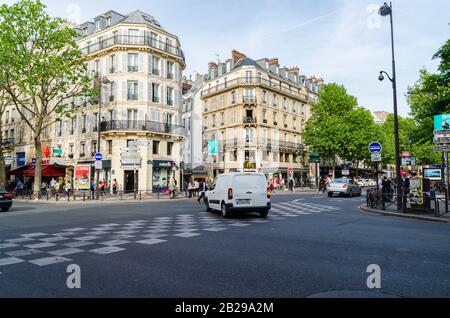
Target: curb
(402, 215)
(91, 202)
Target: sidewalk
(393, 212)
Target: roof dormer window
(97, 25)
(108, 21)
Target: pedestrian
(190, 188)
(114, 186)
(291, 185)
(68, 188)
(197, 188)
(93, 188)
(172, 188)
(202, 188)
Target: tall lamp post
(100, 81)
(314, 157)
(386, 10)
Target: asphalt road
(309, 246)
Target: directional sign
(131, 161)
(443, 148)
(442, 140)
(139, 143)
(98, 156)
(129, 149)
(130, 155)
(375, 147)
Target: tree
(338, 127)
(41, 68)
(430, 96)
(4, 100)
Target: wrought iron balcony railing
(146, 41)
(138, 125)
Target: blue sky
(342, 41)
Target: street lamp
(100, 81)
(314, 157)
(386, 10)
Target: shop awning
(19, 171)
(47, 171)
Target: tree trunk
(357, 169)
(38, 168)
(334, 168)
(2, 167)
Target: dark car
(6, 200)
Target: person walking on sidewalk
(203, 188)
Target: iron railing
(134, 40)
(139, 125)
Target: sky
(343, 41)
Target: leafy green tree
(338, 127)
(41, 68)
(430, 96)
(4, 100)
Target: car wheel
(5, 209)
(208, 209)
(264, 213)
(330, 194)
(224, 211)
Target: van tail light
(230, 194)
(8, 196)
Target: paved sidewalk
(393, 212)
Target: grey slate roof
(139, 17)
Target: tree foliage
(41, 67)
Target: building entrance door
(130, 181)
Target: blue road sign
(98, 157)
(375, 147)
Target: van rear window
(249, 181)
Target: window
(108, 21)
(170, 70)
(132, 118)
(155, 147)
(155, 65)
(82, 149)
(97, 25)
(233, 97)
(133, 36)
(274, 100)
(155, 95)
(133, 62)
(112, 63)
(248, 76)
(275, 118)
(71, 147)
(169, 96)
(83, 124)
(169, 148)
(110, 146)
(264, 116)
(132, 90)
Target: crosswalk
(298, 208)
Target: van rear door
(249, 189)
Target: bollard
(121, 193)
(84, 196)
(140, 195)
(57, 197)
(157, 195)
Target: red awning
(47, 171)
(19, 171)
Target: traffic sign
(376, 157)
(130, 155)
(129, 149)
(131, 161)
(290, 170)
(98, 156)
(375, 147)
(443, 148)
(98, 165)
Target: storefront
(162, 174)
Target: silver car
(344, 187)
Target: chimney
(236, 56)
(212, 65)
(273, 61)
(293, 70)
(320, 81)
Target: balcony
(8, 143)
(132, 96)
(138, 125)
(133, 68)
(169, 75)
(170, 102)
(145, 41)
(257, 82)
(155, 72)
(249, 120)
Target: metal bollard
(121, 193)
(140, 195)
(57, 197)
(84, 196)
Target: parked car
(344, 187)
(361, 182)
(6, 200)
(239, 192)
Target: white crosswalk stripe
(296, 208)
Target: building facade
(138, 65)
(256, 112)
(192, 120)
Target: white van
(239, 192)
